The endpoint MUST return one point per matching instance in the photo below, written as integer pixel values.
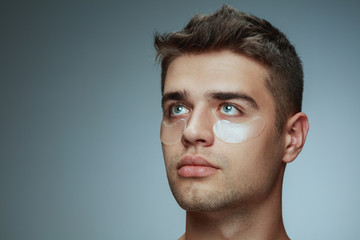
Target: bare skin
(230, 224)
(240, 196)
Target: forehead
(217, 71)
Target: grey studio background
(80, 155)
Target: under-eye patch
(226, 131)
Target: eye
(178, 110)
(229, 109)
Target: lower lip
(196, 171)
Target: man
(232, 90)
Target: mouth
(195, 166)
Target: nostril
(197, 136)
(199, 131)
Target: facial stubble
(206, 194)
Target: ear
(296, 131)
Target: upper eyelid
(167, 107)
(170, 103)
(233, 96)
(237, 106)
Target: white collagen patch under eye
(171, 133)
(238, 132)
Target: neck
(260, 220)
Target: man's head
(229, 29)
(229, 68)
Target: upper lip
(194, 160)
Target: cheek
(166, 153)
(247, 152)
(252, 160)
(171, 155)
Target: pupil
(228, 108)
(178, 109)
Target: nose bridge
(199, 126)
(200, 118)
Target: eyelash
(168, 110)
(241, 112)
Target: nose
(199, 129)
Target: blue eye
(178, 110)
(229, 109)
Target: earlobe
(296, 131)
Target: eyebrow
(232, 95)
(215, 95)
(176, 96)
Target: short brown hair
(241, 33)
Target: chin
(197, 200)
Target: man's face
(204, 172)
